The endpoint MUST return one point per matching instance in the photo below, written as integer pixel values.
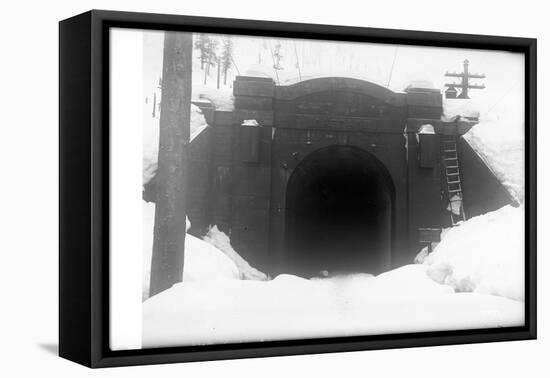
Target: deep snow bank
(290, 307)
(483, 255)
(501, 147)
(222, 98)
(202, 261)
(456, 108)
(498, 138)
(212, 259)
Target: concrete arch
(339, 213)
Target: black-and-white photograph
(299, 189)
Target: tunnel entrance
(338, 214)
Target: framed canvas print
(234, 188)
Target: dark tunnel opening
(338, 214)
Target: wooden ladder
(452, 177)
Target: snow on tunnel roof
(463, 108)
(221, 99)
(290, 77)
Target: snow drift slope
(503, 152)
(498, 138)
(212, 259)
(202, 261)
(484, 255)
(221, 241)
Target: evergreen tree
(201, 43)
(226, 57)
(211, 55)
(207, 46)
(211, 51)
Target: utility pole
(169, 230)
(464, 84)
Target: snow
(290, 77)
(202, 261)
(483, 255)
(422, 82)
(500, 144)
(150, 137)
(250, 122)
(455, 204)
(205, 262)
(473, 279)
(458, 108)
(423, 254)
(221, 241)
(260, 70)
(198, 122)
(498, 138)
(212, 259)
(290, 307)
(222, 98)
(426, 129)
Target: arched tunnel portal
(339, 213)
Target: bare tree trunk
(169, 232)
(219, 68)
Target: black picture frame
(84, 188)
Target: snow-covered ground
(473, 279)
(289, 307)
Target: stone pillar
(424, 181)
(248, 176)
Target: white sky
(503, 95)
